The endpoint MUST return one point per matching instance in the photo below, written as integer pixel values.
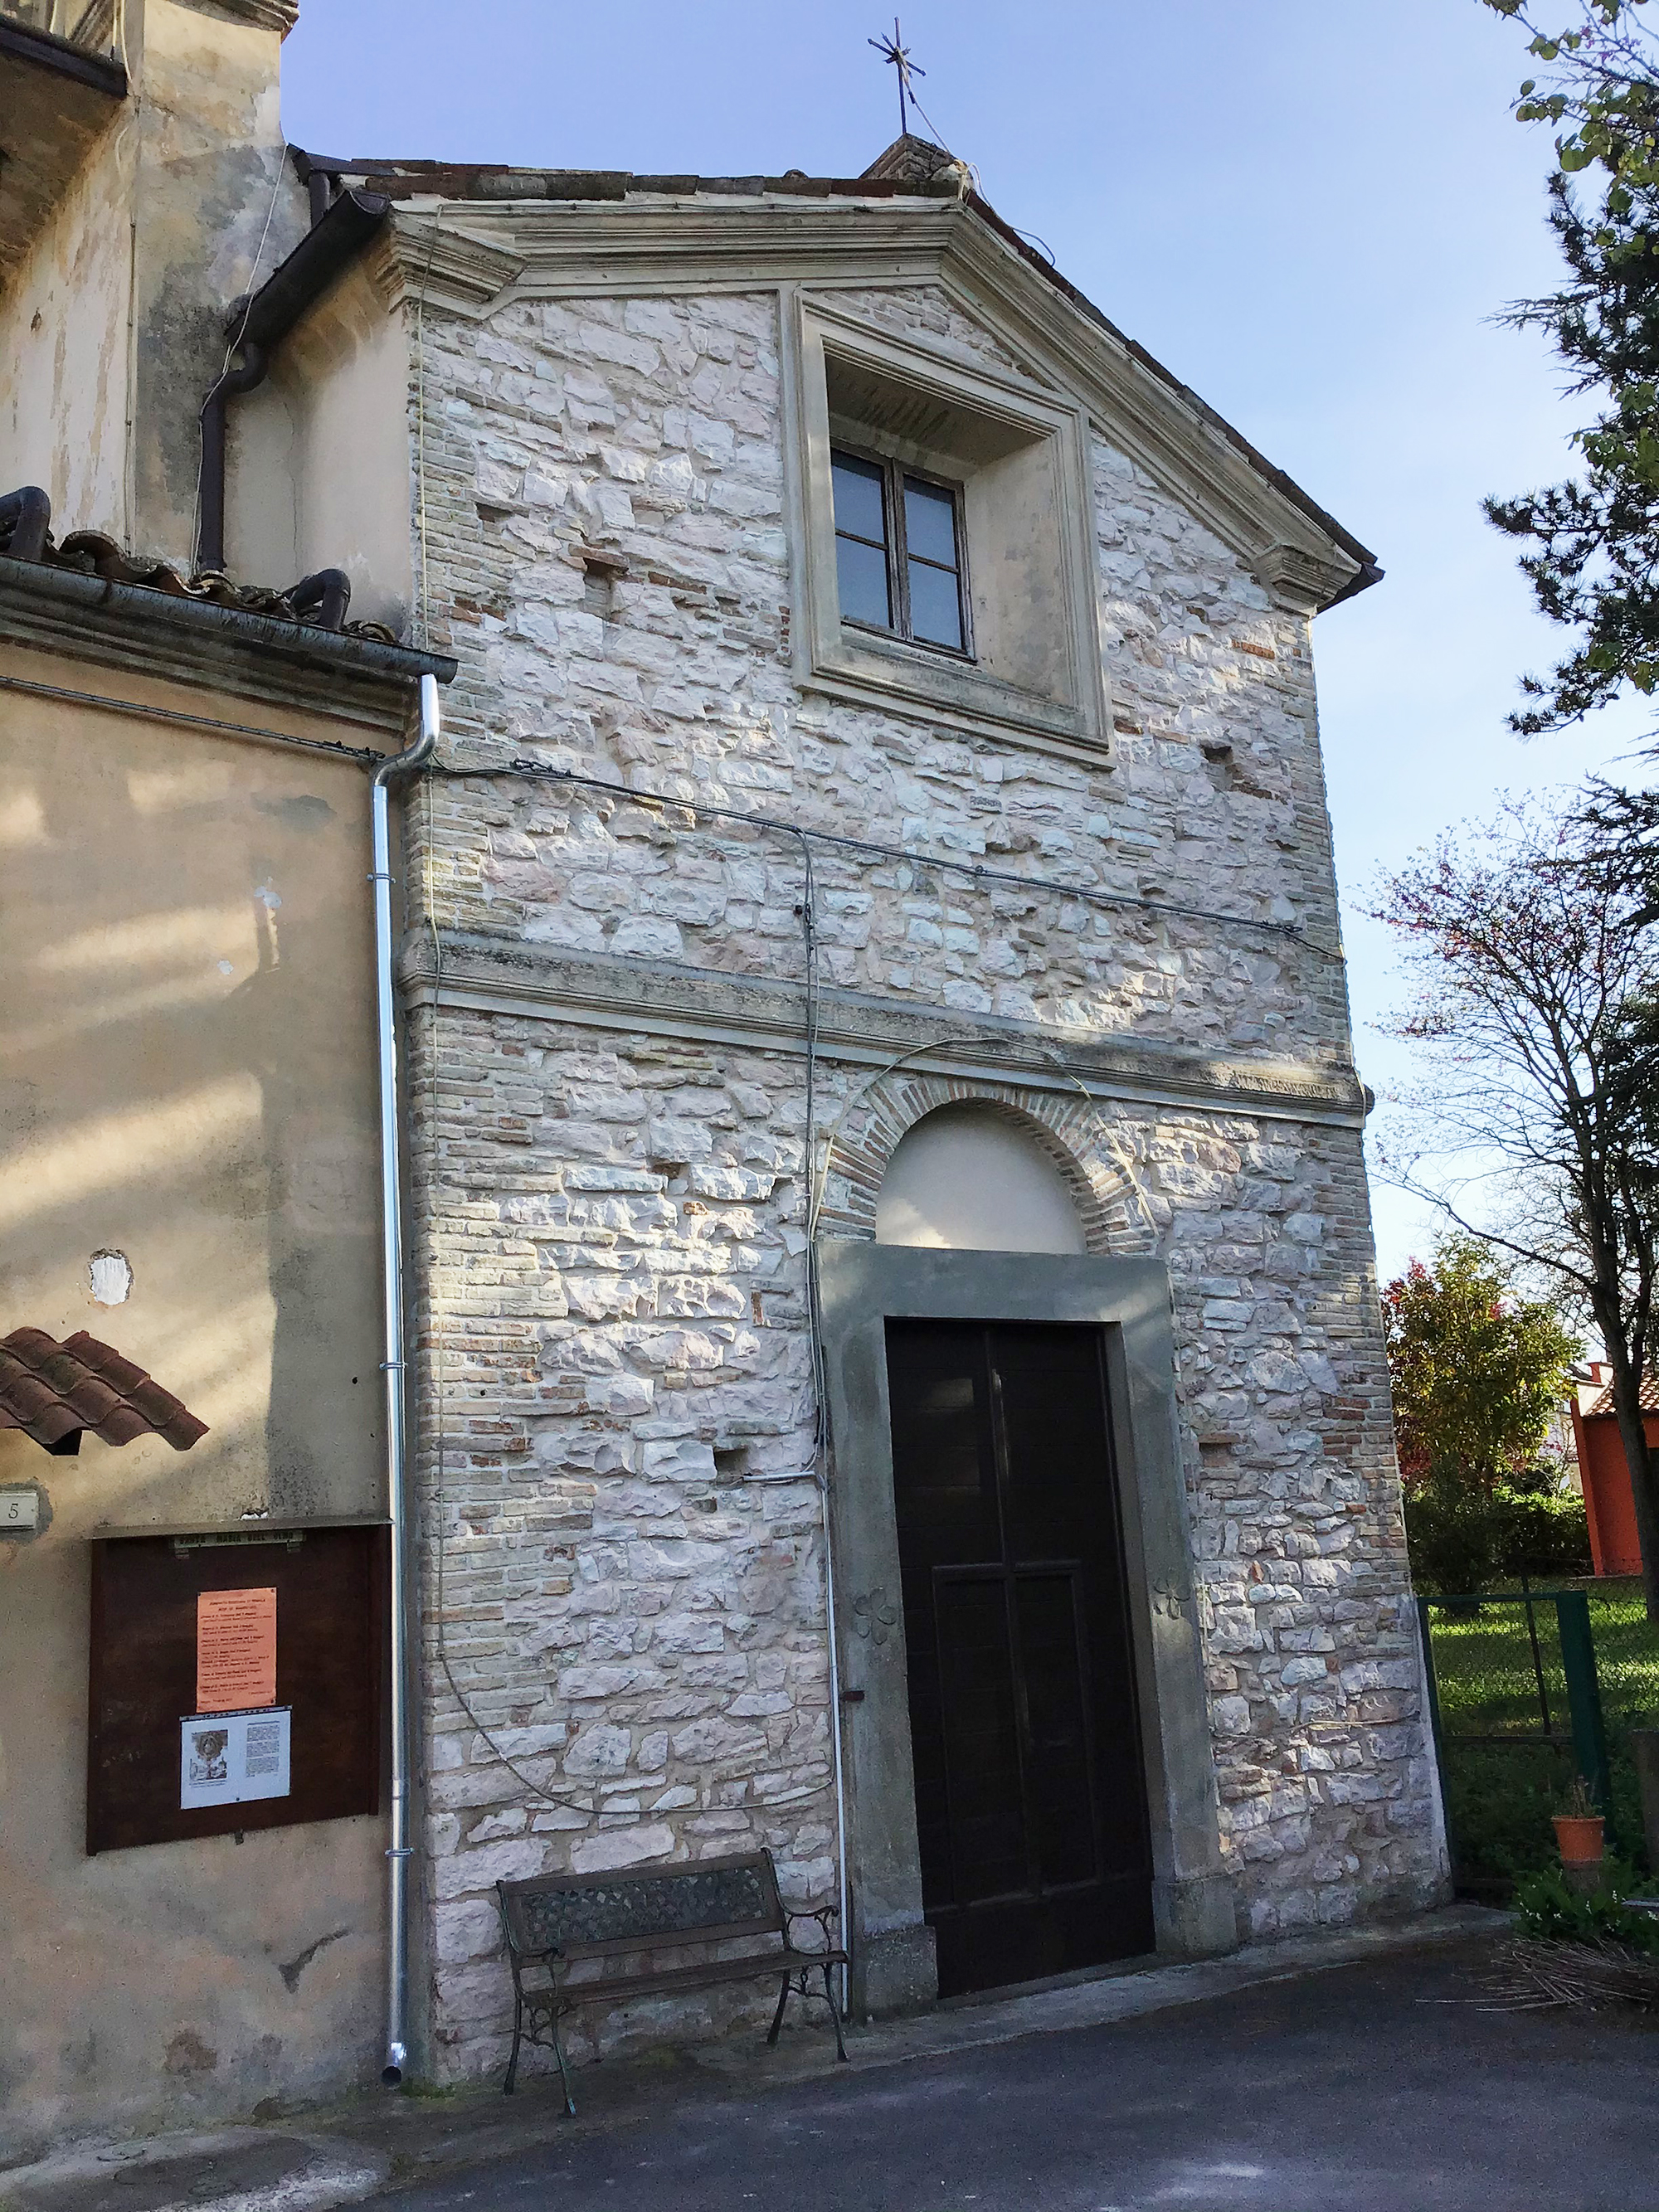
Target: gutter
(26, 583)
(258, 324)
(399, 1850)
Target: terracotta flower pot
(1578, 1838)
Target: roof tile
(1604, 1404)
(52, 1391)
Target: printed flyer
(233, 1759)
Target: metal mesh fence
(1519, 1715)
(1628, 1670)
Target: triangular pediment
(1008, 312)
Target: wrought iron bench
(552, 1921)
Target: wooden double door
(1031, 1786)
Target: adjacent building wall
(63, 347)
(114, 328)
(217, 207)
(187, 1078)
(319, 471)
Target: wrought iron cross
(894, 50)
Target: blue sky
(1310, 209)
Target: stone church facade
(773, 980)
(892, 1354)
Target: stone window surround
(1071, 718)
(860, 1286)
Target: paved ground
(1369, 2086)
(1333, 2073)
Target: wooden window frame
(893, 475)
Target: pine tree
(1592, 543)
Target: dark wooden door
(1030, 1791)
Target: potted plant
(1579, 1828)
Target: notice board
(273, 1642)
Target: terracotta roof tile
(1604, 1403)
(54, 1391)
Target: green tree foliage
(1592, 543)
(1537, 963)
(1464, 1541)
(1478, 1373)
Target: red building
(1608, 1505)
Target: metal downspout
(399, 1851)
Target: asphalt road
(1382, 2085)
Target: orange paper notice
(235, 1649)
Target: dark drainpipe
(242, 375)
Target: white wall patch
(110, 1276)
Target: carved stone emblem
(874, 1618)
(1170, 1601)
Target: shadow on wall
(305, 1016)
(189, 1083)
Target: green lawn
(1499, 1797)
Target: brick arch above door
(1094, 1159)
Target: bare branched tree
(1537, 966)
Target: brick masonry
(622, 1568)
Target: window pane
(935, 609)
(861, 571)
(930, 523)
(858, 497)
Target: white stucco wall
(319, 456)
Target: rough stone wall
(654, 425)
(615, 1227)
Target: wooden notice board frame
(332, 1656)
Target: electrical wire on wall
(972, 871)
(423, 604)
(821, 1439)
(531, 1788)
(1111, 1140)
(817, 1169)
(539, 1792)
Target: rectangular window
(898, 551)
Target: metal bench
(552, 1921)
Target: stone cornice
(423, 256)
(487, 254)
(609, 991)
(217, 649)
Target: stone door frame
(861, 1287)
